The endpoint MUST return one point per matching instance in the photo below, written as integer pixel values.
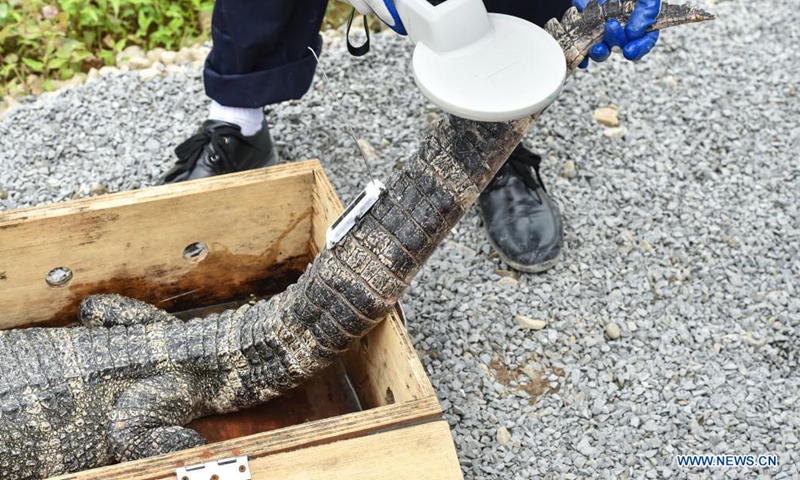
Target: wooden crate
(262, 228)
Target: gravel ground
(685, 234)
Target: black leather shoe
(219, 148)
(524, 225)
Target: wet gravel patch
(672, 324)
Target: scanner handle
(447, 27)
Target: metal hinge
(236, 468)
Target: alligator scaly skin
(577, 32)
(121, 386)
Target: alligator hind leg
(147, 419)
(108, 310)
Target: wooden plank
(327, 207)
(269, 443)
(256, 223)
(384, 367)
(415, 453)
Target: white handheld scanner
(482, 66)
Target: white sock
(249, 119)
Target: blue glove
(633, 39)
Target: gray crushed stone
(685, 234)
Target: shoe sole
(542, 267)
(538, 268)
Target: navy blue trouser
(260, 54)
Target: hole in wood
(389, 396)
(58, 277)
(195, 252)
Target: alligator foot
(146, 418)
(109, 310)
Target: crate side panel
(413, 453)
(269, 443)
(385, 368)
(257, 230)
(327, 208)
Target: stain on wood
(195, 289)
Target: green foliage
(46, 40)
(56, 39)
(336, 14)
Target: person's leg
(538, 12)
(260, 57)
(260, 54)
(522, 222)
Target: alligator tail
(352, 286)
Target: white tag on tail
(365, 200)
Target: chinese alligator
(123, 384)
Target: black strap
(361, 50)
(520, 164)
(523, 161)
